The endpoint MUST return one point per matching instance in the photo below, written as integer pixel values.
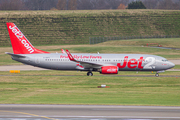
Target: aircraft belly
(130, 69)
(59, 65)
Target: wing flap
(90, 64)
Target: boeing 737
(26, 53)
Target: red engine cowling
(109, 70)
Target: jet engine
(109, 70)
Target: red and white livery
(26, 53)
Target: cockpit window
(164, 60)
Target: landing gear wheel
(157, 75)
(89, 74)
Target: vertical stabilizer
(20, 43)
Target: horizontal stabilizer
(15, 55)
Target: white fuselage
(125, 62)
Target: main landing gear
(89, 73)
(157, 74)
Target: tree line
(85, 4)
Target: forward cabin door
(37, 60)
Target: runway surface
(175, 76)
(19, 67)
(87, 112)
(28, 67)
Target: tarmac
(87, 112)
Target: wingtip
(62, 50)
(67, 50)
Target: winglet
(62, 50)
(70, 56)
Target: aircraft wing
(85, 64)
(15, 55)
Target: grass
(55, 87)
(176, 67)
(75, 27)
(80, 89)
(165, 42)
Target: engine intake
(109, 70)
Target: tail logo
(21, 38)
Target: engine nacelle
(109, 70)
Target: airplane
(26, 53)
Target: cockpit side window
(164, 60)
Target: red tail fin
(20, 43)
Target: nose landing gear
(157, 73)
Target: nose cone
(171, 65)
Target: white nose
(171, 65)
